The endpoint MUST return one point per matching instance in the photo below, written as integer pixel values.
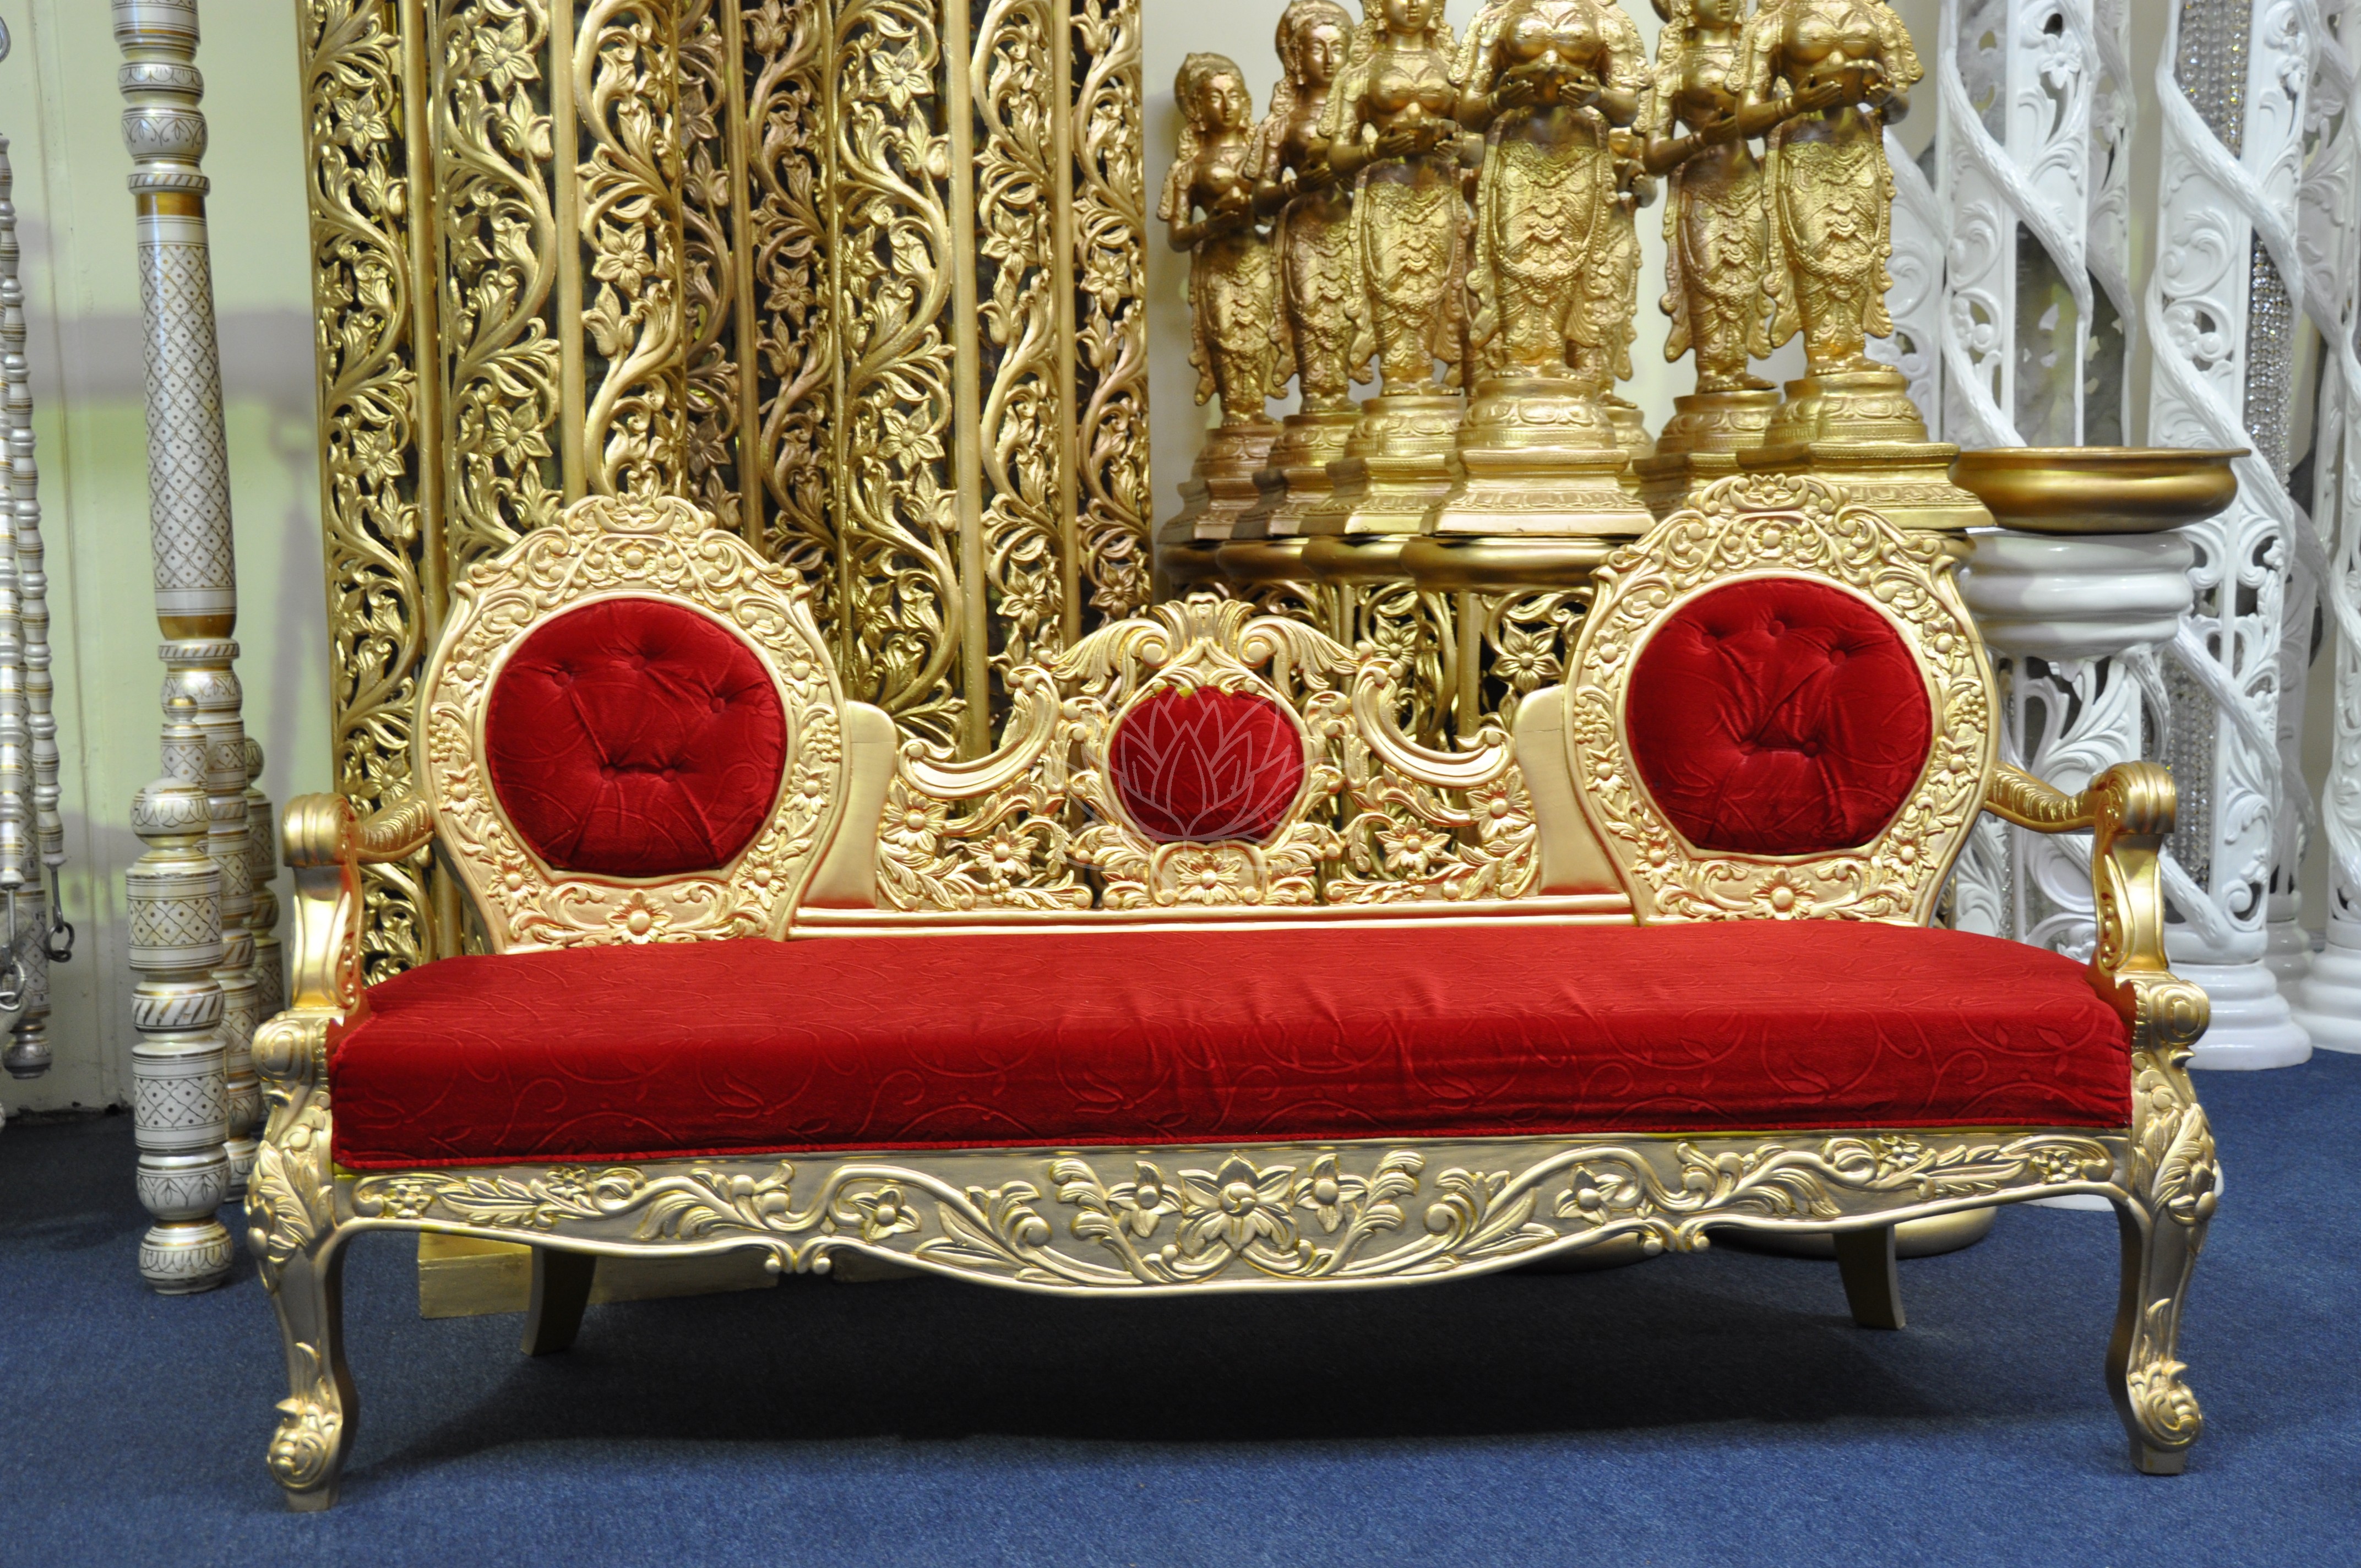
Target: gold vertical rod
(967, 413)
(840, 427)
(425, 336)
(739, 136)
(441, 938)
(566, 143)
(1469, 698)
(1062, 263)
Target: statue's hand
(1516, 89)
(1715, 129)
(1817, 94)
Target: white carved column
(2035, 122)
(2221, 316)
(188, 526)
(2014, 79)
(2060, 613)
(1915, 301)
(2327, 999)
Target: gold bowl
(2098, 489)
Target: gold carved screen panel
(863, 277)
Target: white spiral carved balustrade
(2327, 998)
(2036, 116)
(2220, 318)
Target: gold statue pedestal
(1219, 491)
(1267, 544)
(1701, 442)
(1538, 455)
(1859, 430)
(1396, 468)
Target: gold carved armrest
(2129, 811)
(326, 846)
(289, 1201)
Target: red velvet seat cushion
(1197, 766)
(1778, 716)
(1214, 1035)
(634, 736)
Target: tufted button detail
(664, 753)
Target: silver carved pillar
(189, 516)
(2221, 317)
(28, 821)
(180, 1100)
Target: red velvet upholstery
(1778, 716)
(635, 738)
(1211, 1036)
(1202, 765)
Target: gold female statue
(1550, 81)
(1390, 131)
(1553, 85)
(1238, 350)
(1233, 285)
(1836, 72)
(1717, 235)
(1327, 309)
(1831, 191)
(1311, 209)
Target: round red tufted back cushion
(1199, 766)
(635, 738)
(1778, 717)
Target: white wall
(60, 109)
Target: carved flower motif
(1237, 1205)
(1413, 848)
(1788, 896)
(1328, 1193)
(403, 1197)
(1205, 873)
(913, 822)
(901, 78)
(1524, 661)
(641, 918)
(885, 1212)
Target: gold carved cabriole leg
(299, 1251)
(2163, 1218)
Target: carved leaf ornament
(1762, 525)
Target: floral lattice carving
(1757, 525)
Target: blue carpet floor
(1712, 1409)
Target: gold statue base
(1859, 430)
(1219, 491)
(1504, 563)
(1539, 456)
(1701, 442)
(1267, 544)
(1630, 429)
(1396, 469)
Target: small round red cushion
(1778, 716)
(632, 736)
(1199, 766)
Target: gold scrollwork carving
(493, 145)
(626, 85)
(713, 210)
(1752, 523)
(1111, 318)
(793, 290)
(373, 468)
(1233, 1217)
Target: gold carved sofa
(1207, 978)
